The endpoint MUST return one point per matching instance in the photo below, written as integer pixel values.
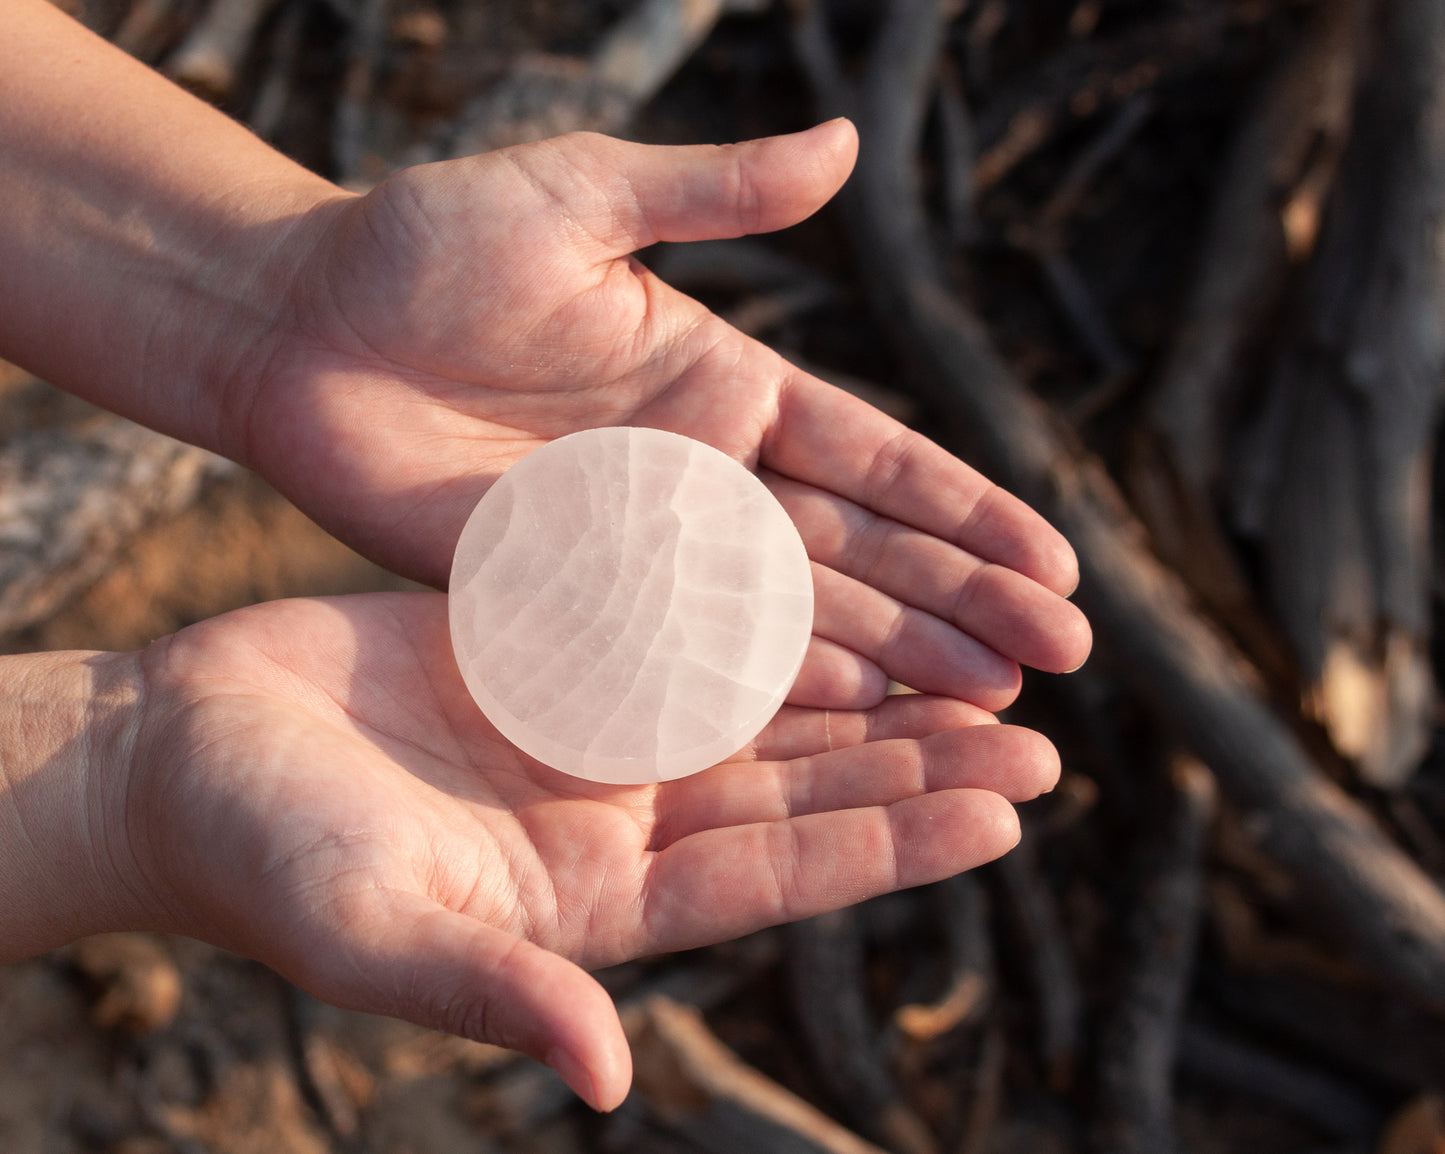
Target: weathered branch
(1056, 988)
(547, 95)
(1344, 516)
(71, 499)
(703, 1090)
(1373, 894)
(209, 58)
(825, 964)
(1137, 1052)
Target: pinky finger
(804, 732)
(721, 883)
(835, 677)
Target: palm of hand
(464, 313)
(413, 385)
(317, 790)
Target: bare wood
(546, 95)
(1372, 1033)
(209, 58)
(1346, 520)
(1136, 1054)
(825, 965)
(1024, 113)
(70, 500)
(1059, 996)
(274, 92)
(142, 31)
(963, 911)
(1291, 139)
(1285, 153)
(1325, 1101)
(702, 1089)
(349, 129)
(1367, 890)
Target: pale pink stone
(630, 605)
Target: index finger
(835, 441)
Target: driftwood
(1087, 75)
(1373, 1033)
(70, 500)
(1350, 422)
(1265, 214)
(524, 1096)
(1137, 1051)
(1331, 1105)
(547, 95)
(209, 58)
(145, 27)
(699, 1088)
(1368, 891)
(1047, 953)
(825, 964)
(275, 89)
(337, 1087)
(348, 133)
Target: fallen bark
(1056, 989)
(825, 965)
(1329, 1104)
(209, 58)
(1368, 891)
(71, 499)
(1265, 217)
(548, 95)
(1372, 1033)
(702, 1090)
(1135, 1108)
(1342, 499)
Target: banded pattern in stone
(629, 605)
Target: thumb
(648, 193)
(438, 968)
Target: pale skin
(307, 782)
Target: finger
(827, 438)
(410, 958)
(835, 677)
(911, 646)
(1012, 614)
(647, 193)
(1016, 763)
(801, 732)
(721, 883)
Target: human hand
(464, 313)
(312, 786)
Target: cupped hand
(464, 313)
(313, 787)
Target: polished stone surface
(629, 605)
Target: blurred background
(1171, 270)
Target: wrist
(147, 242)
(68, 724)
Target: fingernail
(574, 1073)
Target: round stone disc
(629, 605)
